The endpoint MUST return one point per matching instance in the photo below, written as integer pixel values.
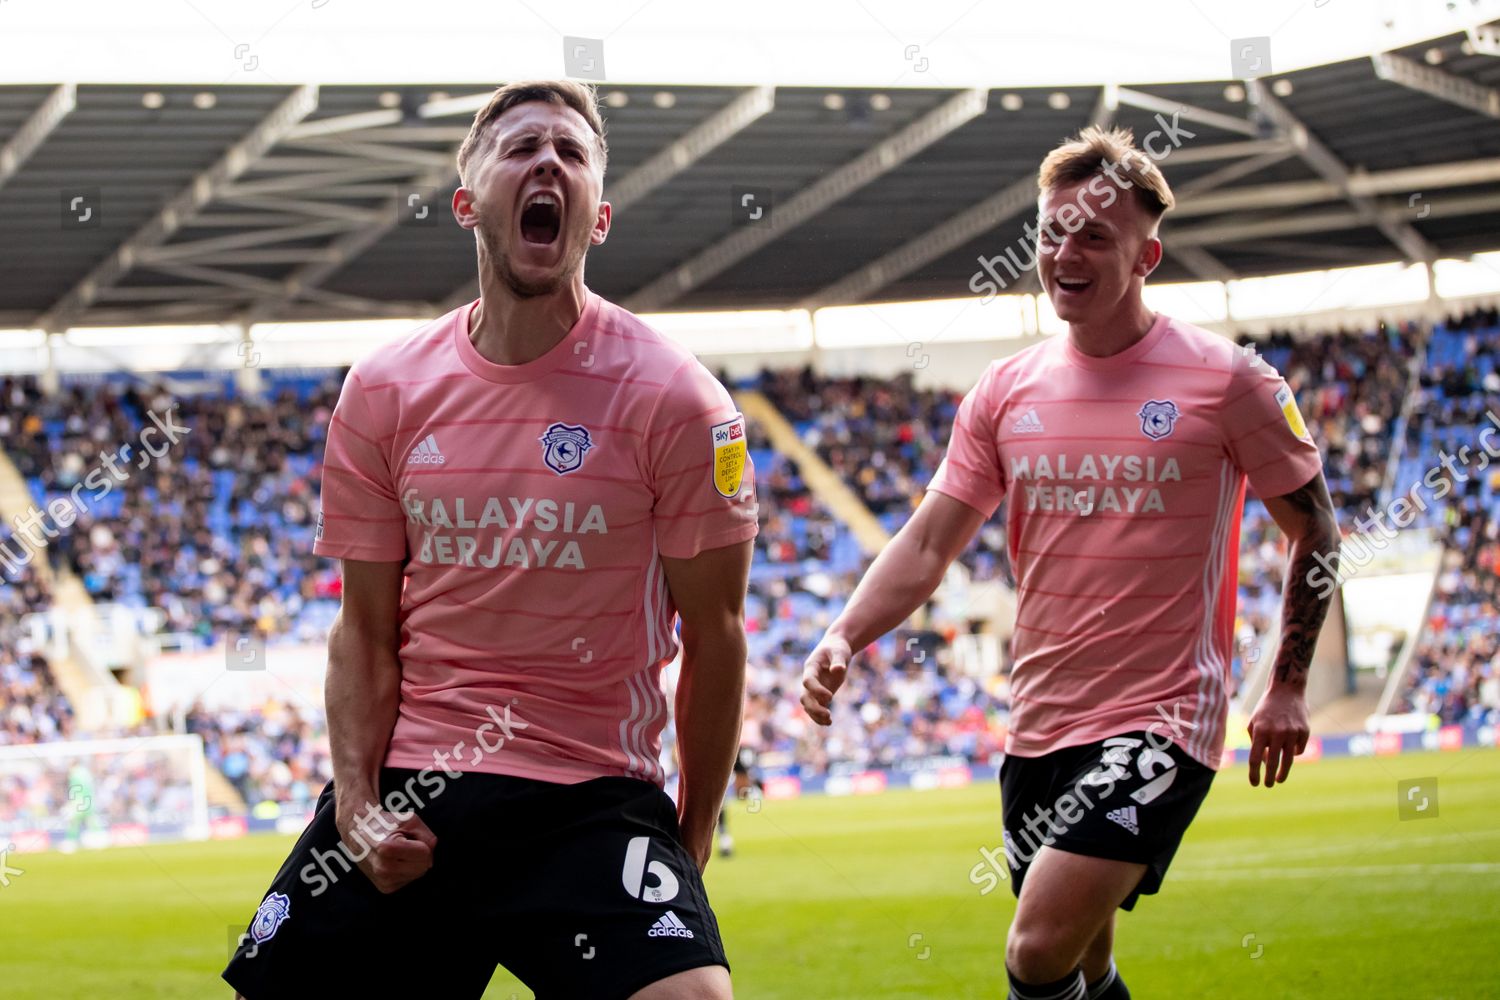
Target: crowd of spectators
(32, 707)
(272, 752)
(1456, 673)
(1350, 387)
(216, 532)
(885, 438)
(214, 528)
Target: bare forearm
(710, 711)
(902, 577)
(362, 694)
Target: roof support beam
(1319, 250)
(1230, 172)
(1201, 263)
(238, 241)
(276, 255)
(1436, 83)
(702, 139)
(875, 162)
(304, 207)
(321, 183)
(169, 293)
(976, 220)
(1323, 160)
(947, 236)
(715, 130)
(441, 173)
(199, 192)
(1235, 230)
(345, 123)
(1103, 115)
(215, 276)
(1225, 151)
(1289, 194)
(375, 153)
(34, 131)
(1188, 112)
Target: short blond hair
(1094, 149)
(581, 97)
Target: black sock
(1108, 986)
(1069, 987)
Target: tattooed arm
(1279, 727)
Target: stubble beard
(499, 265)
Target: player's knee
(1039, 954)
(708, 983)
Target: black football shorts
(579, 890)
(1126, 798)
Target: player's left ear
(463, 208)
(601, 224)
(1149, 257)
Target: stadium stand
(217, 534)
(1455, 676)
(885, 438)
(274, 752)
(32, 708)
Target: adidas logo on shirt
(1029, 423)
(1124, 816)
(426, 453)
(669, 926)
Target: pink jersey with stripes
(532, 505)
(1126, 477)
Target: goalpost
(99, 793)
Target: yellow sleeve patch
(1288, 404)
(729, 455)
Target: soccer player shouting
(526, 494)
(1124, 448)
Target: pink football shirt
(1126, 477)
(532, 505)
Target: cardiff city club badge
(729, 455)
(273, 910)
(1158, 417)
(563, 447)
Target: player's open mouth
(1073, 284)
(541, 219)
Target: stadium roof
(126, 204)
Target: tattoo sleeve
(1314, 537)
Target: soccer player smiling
(1125, 581)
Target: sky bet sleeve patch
(1288, 404)
(729, 455)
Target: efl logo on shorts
(634, 875)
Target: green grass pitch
(1316, 889)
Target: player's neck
(1110, 336)
(508, 329)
